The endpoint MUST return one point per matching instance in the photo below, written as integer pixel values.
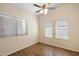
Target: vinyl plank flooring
(41, 49)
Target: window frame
(44, 32)
(68, 22)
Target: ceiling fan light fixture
(45, 7)
(41, 11)
(45, 11)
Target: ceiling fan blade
(51, 8)
(37, 5)
(38, 11)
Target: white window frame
(50, 33)
(62, 35)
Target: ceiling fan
(43, 8)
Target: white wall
(12, 44)
(9, 45)
(71, 12)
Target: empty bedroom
(39, 29)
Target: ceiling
(31, 8)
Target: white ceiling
(31, 8)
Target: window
(7, 26)
(62, 29)
(59, 29)
(21, 27)
(12, 26)
(48, 29)
(48, 32)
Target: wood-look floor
(40, 49)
